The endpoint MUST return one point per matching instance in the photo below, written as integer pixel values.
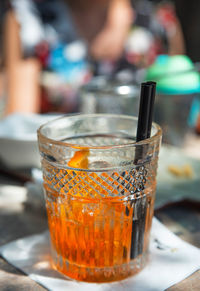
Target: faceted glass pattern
(100, 217)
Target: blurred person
(188, 13)
(168, 19)
(159, 18)
(78, 39)
(2, 77)
(34, 28)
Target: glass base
(96, 274)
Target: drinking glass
(100, 187)
(102, 95)
(171, 113)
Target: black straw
(147, 97)
(151, 109)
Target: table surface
(19, 220)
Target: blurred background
(69, 56)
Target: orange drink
(99, 200)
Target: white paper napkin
(171, 260)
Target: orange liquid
(91, 237)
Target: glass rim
(106, 147)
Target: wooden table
(18, 220)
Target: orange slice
(79, 160)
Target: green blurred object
(178, 83)
(174, 75)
